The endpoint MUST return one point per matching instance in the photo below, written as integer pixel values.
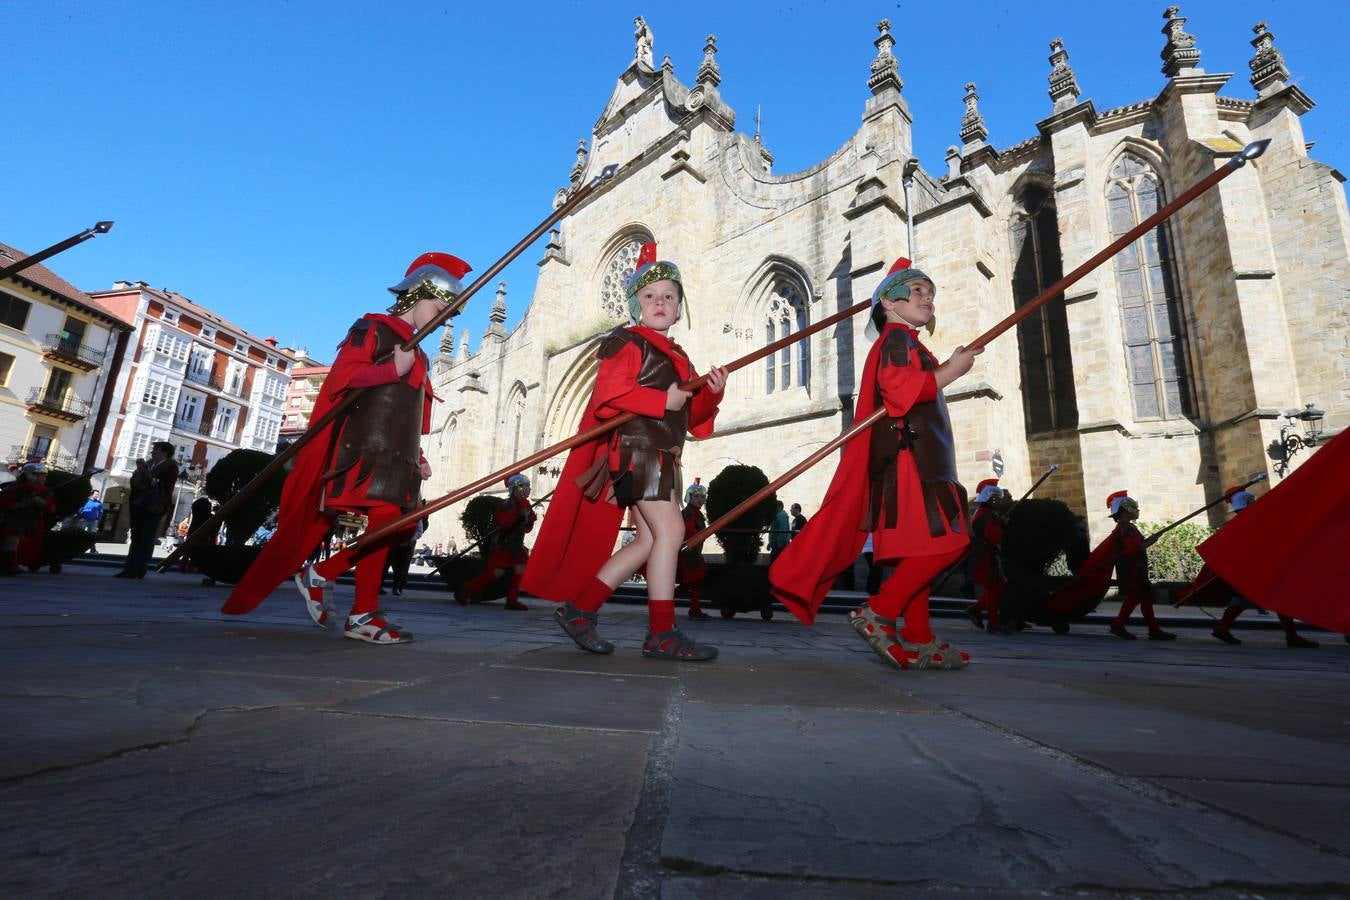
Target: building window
(43, 442)
(224, 424)
(13, 311)
(6, 364)
(159, 394)
(72, 335)
(1048, 398)
(785, 313)
(138, 447)
(1150, 301)
(58, 386)
(614, 284)
(189, 410)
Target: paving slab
(908, 799)
(1314, 812)
(304, 803)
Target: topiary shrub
(1038, 534)
(229, 476)
(478, 520)
(1173, 557)
(740, 540)
(69, 491)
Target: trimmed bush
(229, 476)
(740, 541)
(478, 520)
(1038, 534)
(1173, 557)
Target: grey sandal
(879, 632)
(580, 627)
(675, 644)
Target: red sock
(660, 616)
(695, 598)
(1290, 632)
(513, 589)
(1230, 616)
(593, 596)
(917, 629)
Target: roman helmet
(518, 485)
(1239, 498)
(434, 275)
(895, 287)
(697, 489)
(648, 270)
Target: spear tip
(1254, 149)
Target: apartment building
(306, 381)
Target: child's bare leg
(629, 558)
(665, 528)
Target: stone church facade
(1166, 371)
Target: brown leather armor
(644, 456)
(926, 432)
(379, 437)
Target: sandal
(879, 632)
(934, 655)
(580, 627)
(675, 644)
(317, 594)
(375, 628)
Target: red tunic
(1123, 552)
(577, 534)
(690, 568)
(987, 528)
(302, 498)
(919, 508)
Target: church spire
(1268, 71)
(709, 72)
(498, 314)
(580, 165)
(1063, 84)
(463, 352)
(885, 67)
(973, 130)
(1179, 56)
(448, 339)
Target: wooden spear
(341, 406)
(1251, 151)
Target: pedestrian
(26, 509)
(90, 514)
(987, 527)
(1131, 557)
(636, 466)
(151, 503)
(1240, 499)
(798, 520)
(513, 519)
(367, 461)
(780, 532)
(690, 569)
(900, 484)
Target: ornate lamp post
(98, 228)
(1291, 442)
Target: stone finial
(580, 165)
(973, 130)
(885, 67)
(1063, 83)
(643, 37)
(1268, 71)
(448, 339)
(666, 65)
(498, 314)
(463, 352)
(953, 160)
(708, 71)
(757, 123)
(1180, 55)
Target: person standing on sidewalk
(151, 501)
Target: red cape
(1089, 588)
(302, 495)
(577, 535)
(1287, 551)
(1208, 589)
(834, 536)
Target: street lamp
(98, 228)
(1290, 442)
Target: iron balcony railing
(73, 349)
(64, 403)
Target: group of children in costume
(897, 485)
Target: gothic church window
(1048, 398)
(785, 313)
(1150, 301)
(614, 282)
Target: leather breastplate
(380, 436)
(656, 372)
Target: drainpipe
(906, 180)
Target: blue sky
(283, 162)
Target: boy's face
(1129, 510)
(426, 309)
(918, 309)
(660, 302)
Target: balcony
(207, 380)
(72, 352)
(20, 454)
(57, 404)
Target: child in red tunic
(637, 466)
(987, 526)
(899, 483)
(513, 519)
(691, 570)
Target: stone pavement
(157, 748)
